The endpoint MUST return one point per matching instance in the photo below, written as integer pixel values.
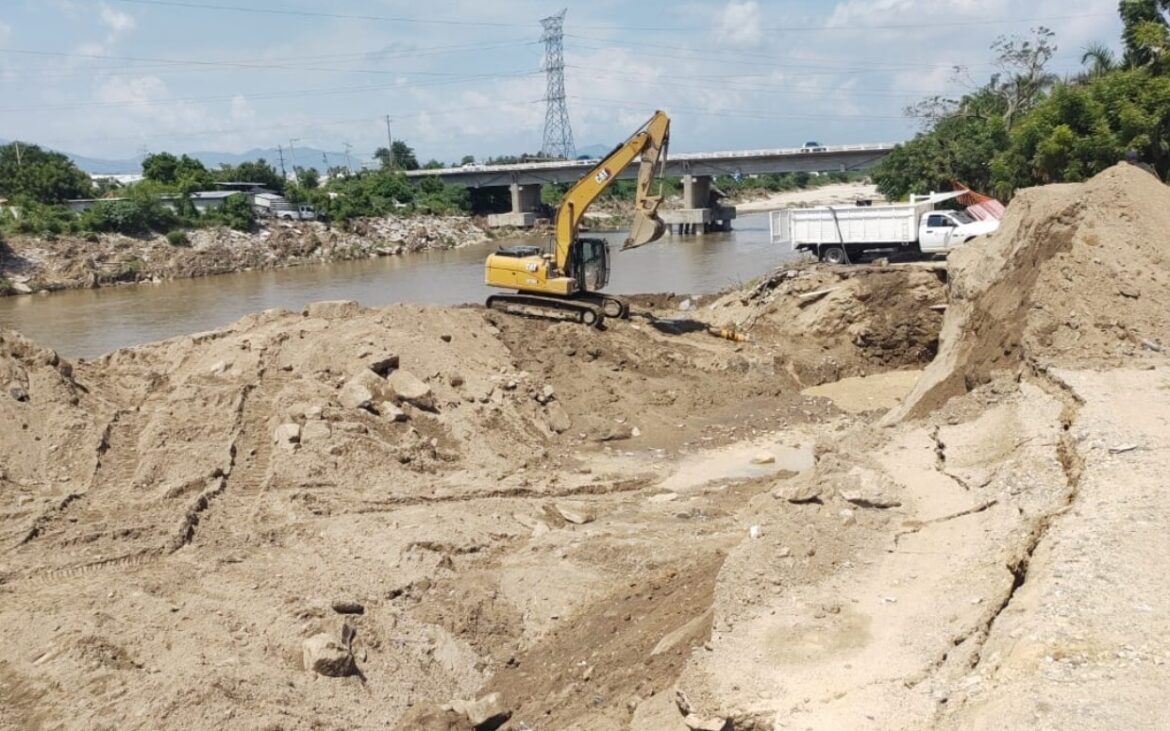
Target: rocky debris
(545, 395)
(577, 515)
(867, 488)
(333, 309)
(558, 419)
(325, 655)
(347, 607)
(315, 431)
(698, 723)
(287, 436)
(409, 388)
(391, 412)
(20, 393)
(764, 458)
(486, 714)
(385, 366)
(690, 633)
(799, 491)
(362, 390)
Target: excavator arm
(650, 142)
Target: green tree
(433, 164)
(308, 178)
(258, 171)
(1146, 33)
(185, 174)
(30, 173)
(467, 160)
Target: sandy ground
(865, 516)
(829, 195)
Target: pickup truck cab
(813, 147)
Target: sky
(116, 78)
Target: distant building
(243, 187)
(208, 200)
(126, 179)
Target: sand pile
(1077, 277)
(827, 323)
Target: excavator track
(614, 307)
(586, 312)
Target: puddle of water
(736, 463)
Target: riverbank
(34, 264)
(836, 194)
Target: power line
(271, 95)
(663, 28)
(558, 132)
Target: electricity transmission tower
(558, 134)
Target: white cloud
(116, 20)
(739, 24)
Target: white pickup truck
(271, 205)
(840, 235)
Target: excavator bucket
(646, 229)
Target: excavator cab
(590, 264)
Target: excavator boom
(567, 281)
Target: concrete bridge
(697, 170)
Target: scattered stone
(689, 634)
(754, 532)
(287, 436)
(390, 411)
(20, 288)
(635, 432)
(385, 366)
(874, 500)
(1123, 448)
(696, 723)
(19, 393)
(683, 702)
(218, 368)
(348, 608)
(1129, 292)
(455, 380)
(315, 431)
(558, 418)
(799, 492)
(362, 390)
(324, 655)
(548, 393)
(576, 516)
(1153, 346)
(445, 338)
(664, 497)
(764, 458)
(407, 387)
(332, 309)
(686, 305)
(486, 714)
(615, 433)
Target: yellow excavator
(566, 282)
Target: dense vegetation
(1026, 127)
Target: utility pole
(19, 162)
(348, 161)
(389, 145)
(280, 151)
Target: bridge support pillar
(525, 198)
(696, 191)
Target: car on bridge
(814, 147)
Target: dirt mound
(827, 323)
(1077, 277)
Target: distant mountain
(308, 157)
(593, 151)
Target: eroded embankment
(32, 264)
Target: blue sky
(110, 78)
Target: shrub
(178, 238)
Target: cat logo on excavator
(602, 176)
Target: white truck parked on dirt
(841, 235)
(271, 205)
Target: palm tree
(1099, 58)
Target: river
(89, 322)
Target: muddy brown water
(88, 323)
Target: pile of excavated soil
(826, 323)
(187, 525)
(1078, 276)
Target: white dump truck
(271, 205)
(842, 234)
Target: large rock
(324, 655)
(363, 390)
(486, 714)
(333, 309)
(409, 388)
(287, 436)
(558, 418)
